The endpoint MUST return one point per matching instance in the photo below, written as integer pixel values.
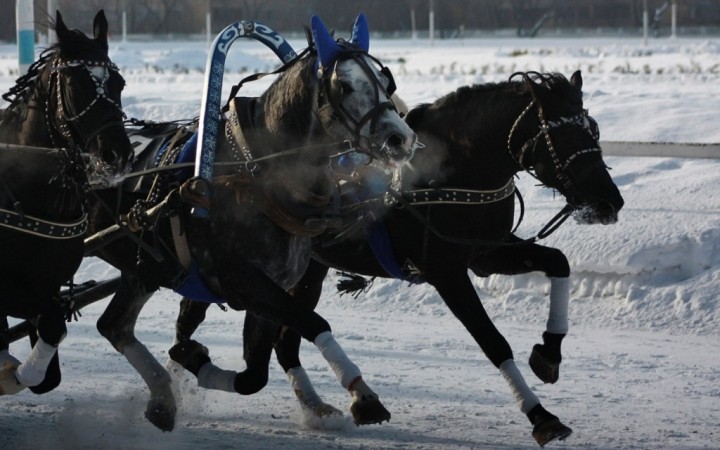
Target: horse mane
(19, 94)
(290, 93)
(459, 99)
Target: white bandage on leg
(211, 376)
(525, 398)
(302, 387)
(345, 370)
(32, 371)
(559, 301)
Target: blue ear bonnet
(328, 49)
(360, 34)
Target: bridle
(339, 113)
(581, 120)
(63, 126)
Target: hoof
(549, 430)
(366, 408)
(190, 354)
(161, 415)
(9, 385)
(369, 410)
(547, 370)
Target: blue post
(25, 24)
(212, 91)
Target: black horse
(271, 194)
(63, 131)
(455, 210)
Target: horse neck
(473, 133)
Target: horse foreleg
(51, 331)
(287, 346)
(457, 291)
(117, 325)
(518, 259)
(52, 377)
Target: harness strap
(459, 196)
(548, 229)
(43, 228)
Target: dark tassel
(353, 284)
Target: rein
(343, 148)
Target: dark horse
(455, 210)
(270, 195)
(69, 104)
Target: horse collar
(240, 132)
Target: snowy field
(641, 367)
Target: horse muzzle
(398, 148)
(601, 212)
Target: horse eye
(344, 87)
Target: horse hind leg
(117, 325)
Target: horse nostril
(395, 140)
(110, 156)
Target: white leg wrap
(302, 387)
(559, 300)
(154, 374)
(524, 397)
(211, 376)
(32, 371)
(345, 370)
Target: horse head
(356, 90)
(84, 110)
(560, 143)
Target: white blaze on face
(360, 95)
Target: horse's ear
(360, 33)
(326, 46)
(61, 30)
(576, 80)
(100, 29)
